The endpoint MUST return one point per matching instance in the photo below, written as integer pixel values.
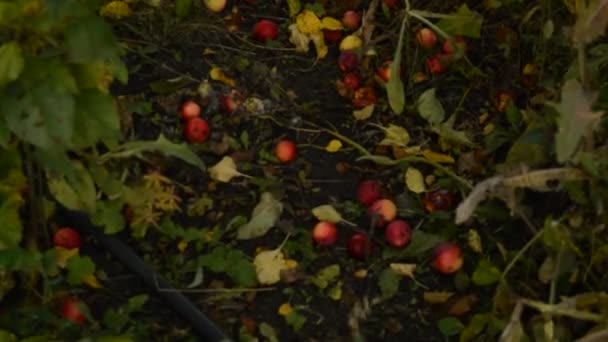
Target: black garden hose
(200, 323)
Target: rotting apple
(332, 36)
(351, 20)
(440, 199)
(364, 97)
(190, 109)
(384, 210)
(325, 233)
(67, 238)
(398, 233)
(286, 151)
(352, 80)
(447, 258)
(265, 30)
(71, 310)
(426, 38)
(196, 130)
(358, 244)
(347, 61)
(369, 191)
(215, 5)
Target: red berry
(196, 130)
(426, 38)
(286, 151)
(385, 71)
(190, 109)
(398, 233)
(437, 63)
(369, 191)
(456, 44)
(332, 36)
(325, 233)
(67, 238)
(71, 310)
(265, 30)
(352, 80)
(351, 20)
(357, 246)
(347, 61)
(384, 210)
(447, 258)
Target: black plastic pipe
(200, 323)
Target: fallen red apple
(332, 36)
(398, 233)
(447, 258)
(215, 5)
(347, 61)
(325, 233)
(196, 130)
(438, 63)
(358, 244)
(190, 109)
(351, 20)
(67, 238)
(265, 30)
(384, 210)
(352, 80)
(286, 151)
(364, 97)
(369, 191)
(71, 310)
(384, 72)
(455, 44)
(426, 38)
(231, 101)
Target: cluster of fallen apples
(447, 256)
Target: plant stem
(556, 309)
(520, 254)
(416, 14)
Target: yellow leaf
(285, 309)
(182, 245)
(308, 22)
(116, 10)
(437, 297)
(319, 41)
(414, 180)
(331, 24)
(208, 51)
(438, 157)
(364, 113)
(333, 146)
(291, 264)
(268, 266)
(92, 281)
(218, 74)
(62, 255)
(351, 42)
(474, 241)
(396, 136)
(225, 170)
(299, 39)
(361, 273)
(406, 270)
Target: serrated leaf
(225, 170)
(463, 22)
(430, 108)
(414, 180)
(264, 216)
(268, 266)
(326, 213)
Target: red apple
(190, 109)
(231, 101)
(351, 20)
(447, 258)
(332, 36)
(385, 211)
(352, 80)
(71, 310)
(358, 244)
(369, 191)
(67, 238)
(438, 63)
(398, 233)
(325, 233)
(196, 130)
(426, 38)
(265, 30)
(347, 61)
(286, 151)
(385, 71)
(454, 45)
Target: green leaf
(463, 22)
(169, 86)
(430, 108)
(162, 145)
(264, 216)
(476, 325)
(485, 273)
(326, 276)
(268, 331)
(576, 119)
(89, 39)
(182, 8)
(240, 269)
(19, 259)
(96, 119)
(12, 228)
(295, 320)
(76, 191)
(215, 261)
(450, 326)
(294, 7)
(394, 86)
(8, 12)
(447, 132)
(136, 303)
(11, 62)
(388, 282)
(420, 243)
(78, 267)
(6, 336)
(109, 215)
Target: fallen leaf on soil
(327, 213)
(264, 216)
(364, 113)
(217, 74)
(438, 157)
(335, 292)
(308, 22)
(299, 39)
(326, 276)
(406, 270)
(331, 24)
(430, 108)
(474, 241)
(225, 170)
(463, 305)
(333, 146)
(351, 42)
(92, 281)
(116, 10)
(285, 309)
(268, 266)
(360, 273)
(414, 180)
(437, 297)
(319, 41)
(395, 136)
